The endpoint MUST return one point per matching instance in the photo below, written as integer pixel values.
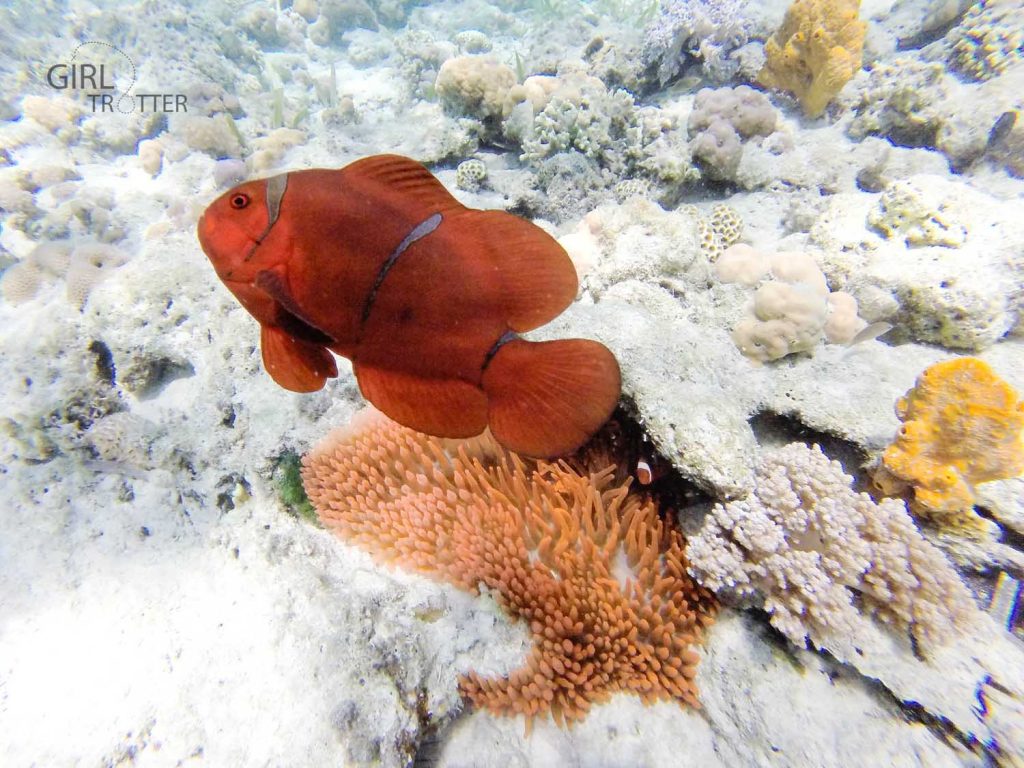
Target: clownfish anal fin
(538, 280)
(289, 315)
(295, 364)
(440, 407)
(405, 179)
(547, 398)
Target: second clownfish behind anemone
(377, 262)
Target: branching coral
(579, 113)
(962, 425)
(811, 546)
(599, 579)
(815, 52)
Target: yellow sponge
(962, 425)
(815, 52)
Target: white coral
(791, 312)
(825, 557)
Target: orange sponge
(815, 52)
(962, 425)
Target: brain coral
(598, 577)
(470, 174)
(815, 52)
(962, 425)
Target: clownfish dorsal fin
(538, 280)
(547, 398)
(411, 181)
(441, 407)
(296, 365)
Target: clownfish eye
(239, 201)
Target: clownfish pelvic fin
(295, 364)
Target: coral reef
(964, 297)
(904, 100)
(962, 425)
(808, 545)
(131, 385)
(815, 52)
(721, 120)
(792, 310)
(469, 175)
(596, 575)
(704, 31)
(917, 214)
(82, 266)
(989, 39)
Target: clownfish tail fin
(547, 398)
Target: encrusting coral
(824, 557)
(989, 39)
(815, 52)
(919, 215)
(597, 576)
(962, 425)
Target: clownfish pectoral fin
(406, 180)
(538, 279)
(289, 313)
(296, 365)
(548, 398)
(440, 407)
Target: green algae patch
(288, 481)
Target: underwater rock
(955, 274)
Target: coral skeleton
(588, 565)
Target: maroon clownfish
(377, 262)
